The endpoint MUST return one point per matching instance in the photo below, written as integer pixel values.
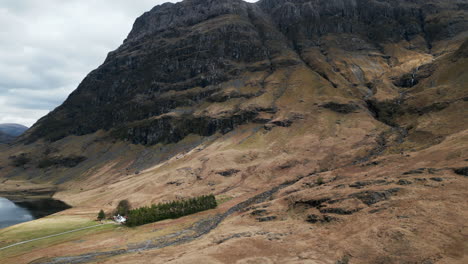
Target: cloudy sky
(48, 46)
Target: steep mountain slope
(353, 113)
(173, 61)
(8, 132)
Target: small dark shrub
(320, 181)
(20, 161)
(67, 162)
(101, 215)
(45, 163)
(341, 108)
(385, 111)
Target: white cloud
(48, 46)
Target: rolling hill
(8, 132)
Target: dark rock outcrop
(341, 108)
(313, 219)
(20, 160)
(67, 162)
(267, 218)
(171, 129)
(316, 203)
(461, 171)
(437, 179)
(415, 76)
(385, 111)
(339, 211)
(416, 171)
(228, 173)
(377, 20)
(404, 182)
(373, 197)
(462, 52)
(362, 184)
(259, 212)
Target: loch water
(27, 209)
(12, 214)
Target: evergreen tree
(123, 208)
(101, 215)
(174, 209)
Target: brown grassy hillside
(359, 123)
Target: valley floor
(393, 209)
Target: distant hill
(5, 138)
(8, 132)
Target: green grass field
(45, 227)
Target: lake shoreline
(17, 190)
(37, 199)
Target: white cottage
(120, 219)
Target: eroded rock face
(378, 20)
(174, 47)
(169, 129)
(178, 56)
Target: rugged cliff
(179, 57)
(336, 127)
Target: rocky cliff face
(181, 56)
(176, 57)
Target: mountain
(200, 62)
(5, 138)
(333, 131)
(8, 132)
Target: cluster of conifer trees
(171, 210)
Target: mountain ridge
(336, 128)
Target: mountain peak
(182, 14)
